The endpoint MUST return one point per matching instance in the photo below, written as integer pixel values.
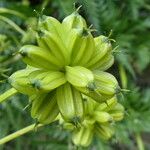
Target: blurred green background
(130, 22)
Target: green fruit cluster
(98, 120)
(68, 64)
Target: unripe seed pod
(104, 131)
(102, 49)
(105, 82)
(117, 116)
(19, 80)
(44, 108)
(55, 38)
(81, 46)
(83, 136)
(105, 63)
(93, 92)
(50, 24)
(70, 103)
(56, 47)
(48, 80)
(74, 21)
(79, 76)
(107, 105)
(102, 117)
(89, 105)
(38, 57)
(117, 112)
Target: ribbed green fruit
(70, 103)
(74, 21)
(79, 76)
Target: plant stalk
(123, 76)
(8, 94)
(19, 133)
(13, 12)
(12, 24)
(139, 142)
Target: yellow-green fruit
(102, 58)
(41, 41)
(38, 57)
(69, 126)
(79, 76)
(105, 82)
(89, 104)
(82, 136)
(117, 112)
(102, 48)
(105, 63)
(74, 21)
(44, 108)
(94, 93)
(47, 80)
(37, 100)
(55, 38)
(88, 121)
(107, 105)
(117, 116)
(104, 131)
(19, 80)
(50, 24)
(105, 86)
(81, 46)
(56, 47)
(102, 116)
(70, 103)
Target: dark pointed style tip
(42, 18)
(40, 33)
(36, 84)
(77, 7)
(105, 40)
(39, 14)
(76, 121)
(92, 86)
(85, 32)
(9, 80)
(23, 53)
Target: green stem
(19, 133)
(13, 12)
(12, 24)
(45, 3)
(8, 94)
(11, 60)
(123, 76)
(139, 142)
